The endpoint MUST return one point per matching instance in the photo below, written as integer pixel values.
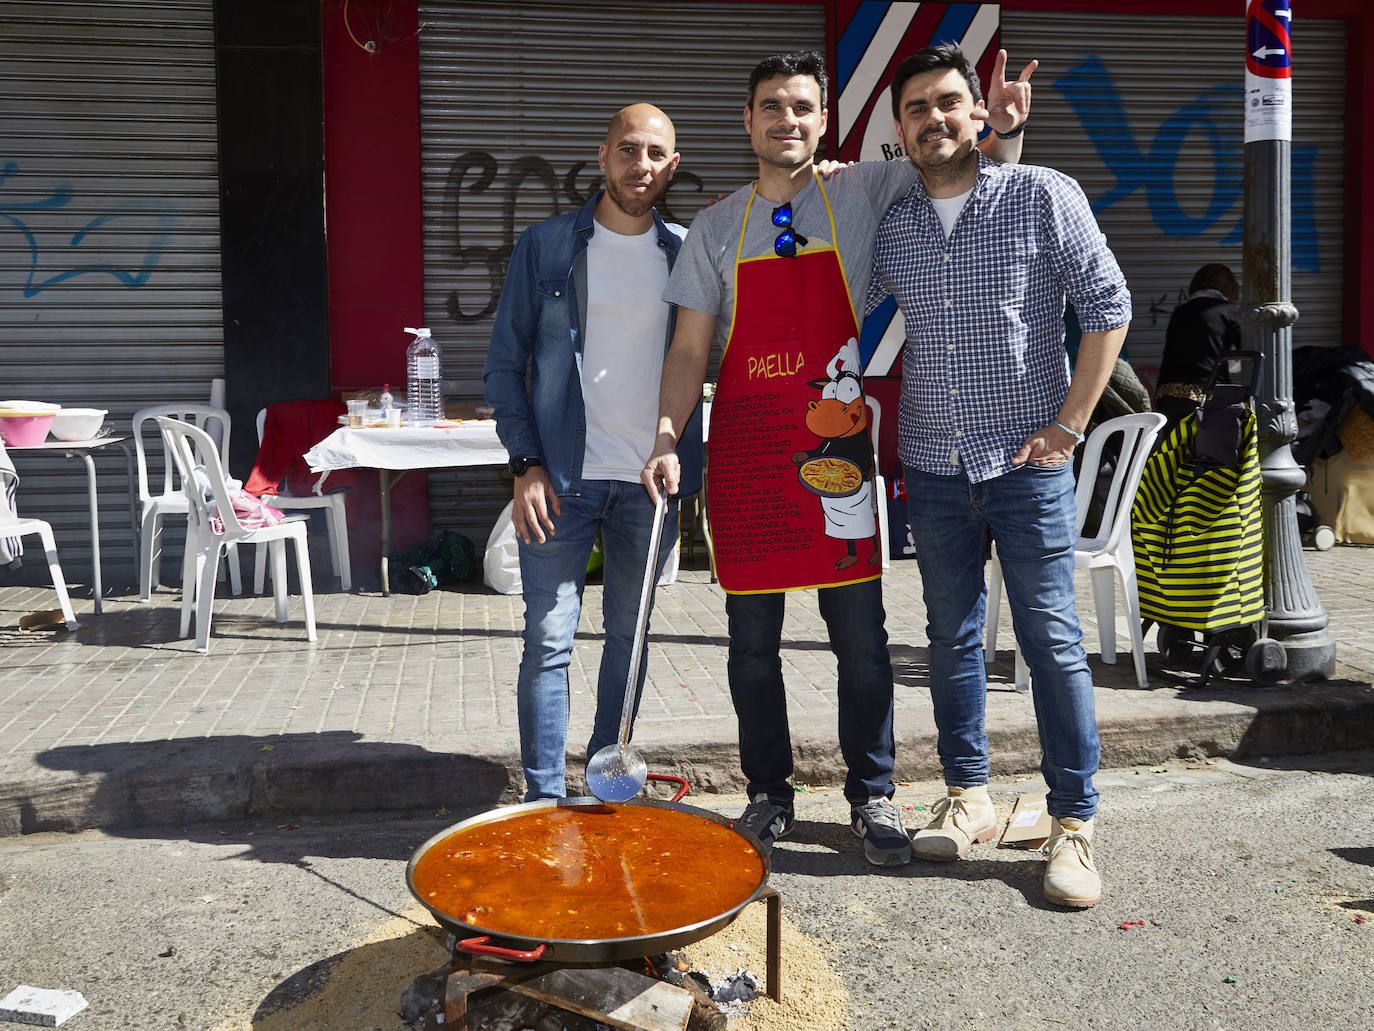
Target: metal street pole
(1296, 618)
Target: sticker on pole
(1268, 70)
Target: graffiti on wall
(531, 189)
(1207, 123)
(87, 251)
(1211, 117)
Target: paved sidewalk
(407, 704)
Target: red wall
(372, 189)
(373, 228)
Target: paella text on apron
(789, 483)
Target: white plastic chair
(171, 499)
(336, 521)
(191, 447)
(20, 526)
(1106, 555)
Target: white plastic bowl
(77, 423)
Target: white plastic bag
(501, 562)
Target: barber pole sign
(1268, 70)
(874, 37)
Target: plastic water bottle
(384, 399)
(424, 381)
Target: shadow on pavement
(840, 854)
(1323, 725)
(1361, 857)
(159, 788)
(360, 987)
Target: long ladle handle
(642, 620)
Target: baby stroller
(1197, 529)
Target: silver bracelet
(1078, 437)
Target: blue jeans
(854, 616)
(552, 576)
(1030, 511)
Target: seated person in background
(1201, 329)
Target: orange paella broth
(589, 872)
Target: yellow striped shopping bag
(1198, 534)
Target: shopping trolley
(1197, 529)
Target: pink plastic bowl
(25, 430)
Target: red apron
(779, 523)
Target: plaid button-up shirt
(984, 364)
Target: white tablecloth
(471, 442)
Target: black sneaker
(879, 824)
(766, 820)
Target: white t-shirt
(627, 327)
(948, 209)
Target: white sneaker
(1071, 879)
(960, 820)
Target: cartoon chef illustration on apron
(840, 469)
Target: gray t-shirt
(703, 277)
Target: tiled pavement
(407, 703)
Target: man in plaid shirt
(981, 258)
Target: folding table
(82, 449)
(395, 452)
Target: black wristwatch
(521, 464)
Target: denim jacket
(541, 321)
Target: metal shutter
(109, 234)
(515, 99)
(1146, 113)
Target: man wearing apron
(770, 273)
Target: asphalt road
(1255, 885)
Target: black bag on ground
(449, 559)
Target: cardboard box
(1029, 825)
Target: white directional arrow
(1283, 12)
(1263, 52)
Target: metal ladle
(617, 772)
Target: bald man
(582, 307)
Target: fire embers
(512, 1001)
(712, 1002)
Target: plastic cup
(357, 411)
(393, 418)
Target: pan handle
(479, 947)
(681, 783)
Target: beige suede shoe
(961, 819)
(1070, 877)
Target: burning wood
(658, 993)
